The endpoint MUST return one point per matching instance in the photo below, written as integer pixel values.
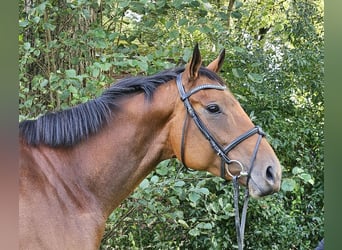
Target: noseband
(222, 151)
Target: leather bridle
(221, 151)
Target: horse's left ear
(192, 68)
(218, 62)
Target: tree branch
(229, 12)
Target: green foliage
(178, 211)
(71, 50)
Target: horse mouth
(257, 191)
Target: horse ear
(218, 62)
(193, 66)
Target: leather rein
(222, 152)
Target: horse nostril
(269, 173)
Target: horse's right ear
(193, 66)
(218, 62)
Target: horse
(79, 164)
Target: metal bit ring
(243, 172)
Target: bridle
(222, 151)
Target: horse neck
(119, 157)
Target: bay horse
(78, 165)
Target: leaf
(297, 170)
(195, 4)
(53, 78)
(96, 72)
(36, 52)
(278, 27)
(202, 13)
(169, 24)
(220, 201)
(203, 191)
(178, 4)
(174, 201)
(36, 19)
(106, 66)
(179, 184)
(187, 54)
(143, 65)
(75, 60)
(154, 178)
(194, 197)
(236, 14)
(72, 89)
(222, 15)
(44, 83)
(237, 72)
(255, 77)
(183, 21)
(183, 223)
(41, 7)
(123, 4)
(306, 178)
(70, 73)
(239, 49)
(205, 29)
(49, 26)
(23, 23)
(28, 102)
(238, 4)
(101, 44)
(162, 170)
(214, 207)
(64, 95)
(288, 185)
(27, 46)
(173, 34)
(204, 225)
(191, 28)
(194, 232)
(144, 184)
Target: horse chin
(256, 191)
(253, 189)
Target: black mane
(68, 127)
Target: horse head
(212, 132)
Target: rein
(222, 152)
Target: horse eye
(214, 108)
